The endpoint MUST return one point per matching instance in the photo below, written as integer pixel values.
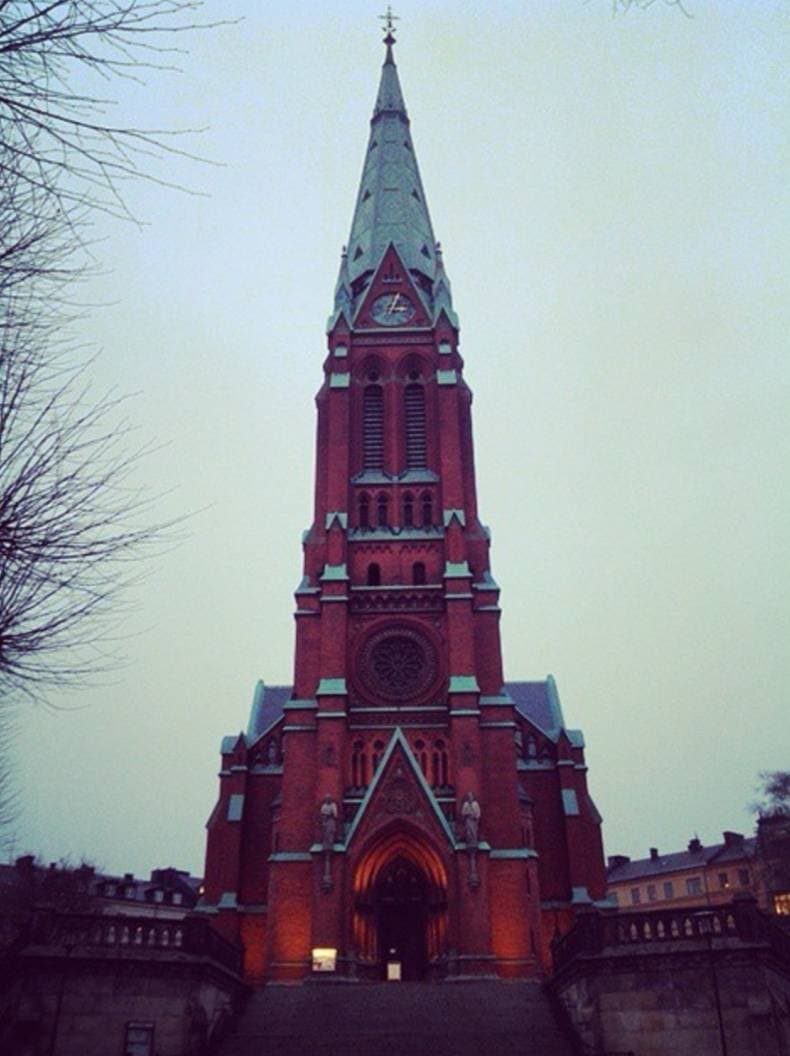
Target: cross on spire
(389, 21)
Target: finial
(389, 21)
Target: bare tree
(71, 523)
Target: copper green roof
(391, 207)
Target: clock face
(393, 309)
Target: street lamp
(704, 919)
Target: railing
(596, 931)
(192, 935)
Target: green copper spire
(391, 206)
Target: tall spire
(391, 206)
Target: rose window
(398, 664)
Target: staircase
(394, 1019)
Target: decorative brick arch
(400, 840)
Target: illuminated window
(782, 904)
(724, 882)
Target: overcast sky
(612, 199)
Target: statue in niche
(272, 755)
(470, 813)
(532, 749)
(328, 817)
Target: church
(402, 811)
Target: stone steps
(392, 1019)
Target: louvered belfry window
(373, 427)
(415, 427)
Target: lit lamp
(324, 959)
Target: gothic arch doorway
(400, 907)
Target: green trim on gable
(463, 684)
(331, 687)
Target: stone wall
(723, 992)
(78, 998)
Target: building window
(364, 511)
(382, 506)
(724, 881)
(378, 751)
(693, 886)
(782, 904)
(636, 897)
(373, 427)
(440, 765)
(408, 510)
(422, 756)
(139, 1040)
(374, 574)
(669, 889)
(651, 893)
(426, 504)
(415, 427)
(359, 765)
(178, 898)
(159, 896)
(743, 877)
(418, 574)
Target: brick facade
(399, 708)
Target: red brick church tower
(400, 808)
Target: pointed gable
(399, 790)
(390, 289)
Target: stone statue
(470, 812)
(272, 755)
(328, 814)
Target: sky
(611, 195)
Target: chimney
(654, 854)
(694, 845)
(732, 839)
(614, 861)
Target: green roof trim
(331, 687)
(290, 856)
(457, 570)
(447, 517)
(513, 852)
(570, 804)
(341, 351)
(334, 573)
(300, 704)
(235, 806)
(340, 515)
(445, 348)
(446, 377)
(339, 381)
(463, 684)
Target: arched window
(374, 574)
(359, 767)
(422, 756)
(373, 427)
(382, 511)
(416, 457)
(440, 765)
(378, 751)
(418, 574)
(364, 511)
(408, 510)
(426, 503)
